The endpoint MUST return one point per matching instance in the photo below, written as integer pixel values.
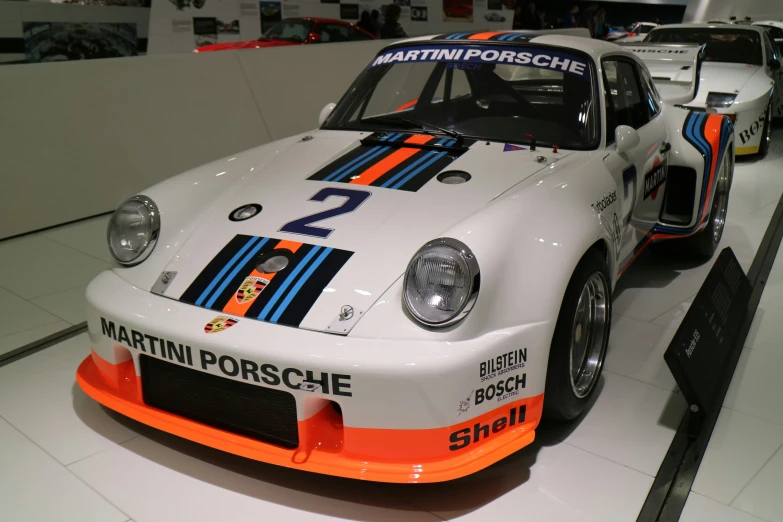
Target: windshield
(293, 29)
(723, 44)
(491, 92)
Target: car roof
(592, 47)
(703, 25)
(773, 23)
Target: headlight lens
(720, 99)
(442, 282)
(133, 230)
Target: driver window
(625, 104)
(332, 33)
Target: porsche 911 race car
(737, 76)
(403, 294)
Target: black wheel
(766, 133)
(705, 242)
(576, 357)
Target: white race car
(401, 294)
(737, 77)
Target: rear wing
(674, 68)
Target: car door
(640, 173)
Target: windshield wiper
(394, 119)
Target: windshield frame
(595, 86)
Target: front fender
(527, 243)
(183, 201)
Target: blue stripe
(298, 285)
(225, 269)
(515, 37)
(507, 35)
(410, 176)
(234, 272)
(273, 301)
(364, 158)
(411, 166)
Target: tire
(704, 243)
(765, 135)
(581, 331)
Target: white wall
(77, 138)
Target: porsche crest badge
(250, 288)
(219, 323)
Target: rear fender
(699, 141)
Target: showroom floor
(66, 458)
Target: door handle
(666, 147)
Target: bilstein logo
(603, 203)
(462, 438)
(250, 288)
(501, 389)
(508, 362)
(219, 323)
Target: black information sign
(700, 349)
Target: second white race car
(738, 74)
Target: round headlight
(442, 282)
(133, 230)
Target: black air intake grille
(680, 196)
(261, 413)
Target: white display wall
(180, 25)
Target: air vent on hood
(453, 177)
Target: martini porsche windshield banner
(271, 280)
(541, 58)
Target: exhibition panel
(456, 276)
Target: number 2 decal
(302, 226)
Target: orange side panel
(485, 36)
(325, 444)
(391, 161)
(234, 307)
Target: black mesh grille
(261, 413)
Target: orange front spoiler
(321, 448)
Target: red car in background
(297, 31)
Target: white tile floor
(101, 466)
(43, 279)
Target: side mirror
(774, 64)
(626, 138)
(327, 110)
(313, 38)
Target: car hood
(344, 260)
(723, 77)
(251, 44)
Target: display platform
(66, 458)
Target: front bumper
(409, 410)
